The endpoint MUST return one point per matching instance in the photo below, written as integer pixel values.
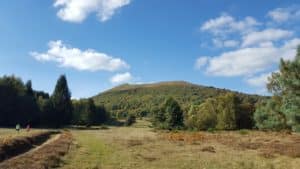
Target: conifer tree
(173, 112)
(61, 100)
(286, 84)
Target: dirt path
(50, 140)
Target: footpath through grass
(88, 151)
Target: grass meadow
(142, 147)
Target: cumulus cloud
(224, 27)
(285, 14)
(228, 24)
(89, 60)
(219, 43)
(121, 78)
(201, 61)
(259, 81)
(230, 43)
(258, 46)
(265, 35)
(78, 10)
(248, 61)
(241, 62)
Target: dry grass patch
(44, 157)
(210, 149)
(134, 142)
(11, 146)
(266, 143)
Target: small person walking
(18, 127)
(28, 127)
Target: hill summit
(143, 98)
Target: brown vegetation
(267, 144)
(10, 147)
(46, 156)
(210, 149)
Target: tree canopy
(284, 84)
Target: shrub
(130, 120)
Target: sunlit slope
(139, 98)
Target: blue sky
(99, 44)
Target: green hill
(142, 98)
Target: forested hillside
(142, 99)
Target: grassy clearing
(140, 147)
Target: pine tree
(269, 116)
(29, 90)
(173, 113)
(286, 84)
(61, 99)
(91, 112)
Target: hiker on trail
(18, 127)
(28, 127)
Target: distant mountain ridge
(143, 98)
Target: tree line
(229, 112)
(20, 104)
(225, 112)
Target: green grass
(243, 132)
(88, 152)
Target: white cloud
(231, 43)
(285, 14)
(89, 60)
(219, 43)
(258, 46)
(227, 24)
(241, 62)
(259, 81)
(78, 10)
(201, 61)
(121, 78)
(292, 44)
(254, 38)
(248, 61)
